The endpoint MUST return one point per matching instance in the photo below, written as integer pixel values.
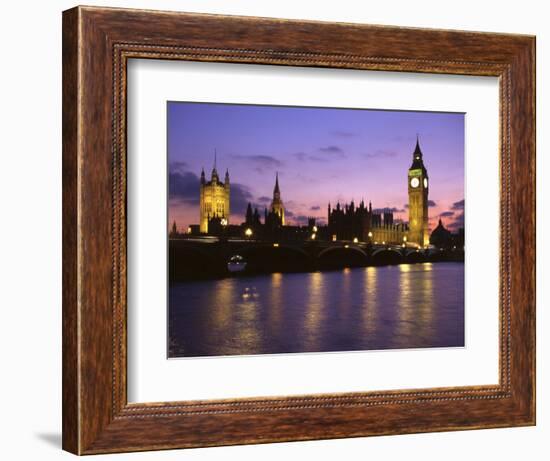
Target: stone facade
(277, 206)
(214, 199)
(418, 200)
(350, 222)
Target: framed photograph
(280, 230)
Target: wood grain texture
(97, 43)
(70, 384)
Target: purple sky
(321, 155)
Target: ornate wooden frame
(97, 43)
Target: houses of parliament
(350, 222)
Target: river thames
(352, 309)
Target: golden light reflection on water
(405, 308)
(276, 280)
(222, 304)
(276, 301)
(427, 307)
(345, 292)
(248, 306)
(369, 311)
(415, 304)
(402, 306)
(314, 314)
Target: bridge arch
(342, 256)
(415, 256)
(384, 256)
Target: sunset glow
(321, 155)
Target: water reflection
(404, 306)
(248, 335)
(369, 310)
(222, 305)
(314, 312)
(274, 310)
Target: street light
(355, 240)
(314, 228)
(313, 236)
(223, 222)
(248, 232)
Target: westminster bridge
(208, 257)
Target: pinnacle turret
(214, 170)
(418, 163)
(276, 189)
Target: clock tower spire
(277, 206)
(418, 199)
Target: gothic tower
(214, 198)
(418, 200)
(277, 206)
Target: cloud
(431, 204)
(446, 214)
(260, 163)
(457, 223)
(240, 196)
(315, 158)
(183, 186)
(315, 208)
(326, 154)
(264, 200)
(301, 156)
(301, 219)
(392, 210)
(331, 150)
(458, 205)
(344, 134)
(178, 167)
(381, 153)
(297, 219)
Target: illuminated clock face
(426, 183)
(415, 182)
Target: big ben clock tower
(418, 200)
